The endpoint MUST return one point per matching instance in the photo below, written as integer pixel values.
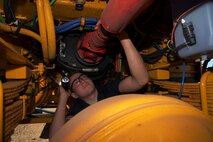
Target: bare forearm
(58, 120)
(136, 64)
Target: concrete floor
(28, 133)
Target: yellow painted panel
(158, 74)
(18, 72)
(62, 9)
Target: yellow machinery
(138, 118)
(39, 44)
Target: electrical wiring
(35, 17)
(169, 52)
(2, 19)
(168, 45)
(77, 28)
(89, 22)
(155, 56)
(87, 27)
(183, 80)
(9, 15)
(23, 31)
(11, 19)
(151, 59)
(52, 2)
(120, 63)
(43, 110)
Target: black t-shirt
(104, 91)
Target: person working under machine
(86, 93)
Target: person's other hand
(122, 35)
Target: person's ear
(74, 95)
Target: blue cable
(7, 6)
(87, 27)
(75, 23)
(66, 28)
(183, 80)
(87, 21)
(73, 27)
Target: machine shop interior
(43, 41)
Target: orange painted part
(138, 118)
(205, 92)
(119, 13)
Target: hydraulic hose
(115, 17)
(42, 29)
(22, 31)
(46, 28)
(155, 56)
(51, 39)
(12, 48)
(75, 23)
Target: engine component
(197, 23)
(93, 46)
(70, 60)
(79, 4)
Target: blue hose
(87, 21)
(75, 23)
(183, 80)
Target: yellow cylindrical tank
(136, 118)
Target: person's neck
(92, 97)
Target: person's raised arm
(139, 76)
(59, 118)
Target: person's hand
(63, 94)
(122, 35)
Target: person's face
(81, 85)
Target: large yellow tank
(137, 118)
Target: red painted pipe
(115, 17)
(119, 13)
